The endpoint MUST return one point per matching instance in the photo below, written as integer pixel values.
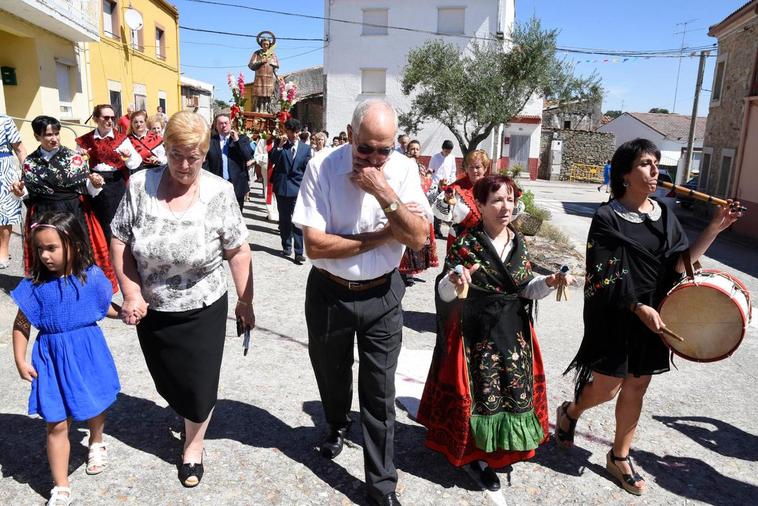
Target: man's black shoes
(334, 442)
(388, 500)
(299, 259)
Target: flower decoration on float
(238, 101)
(287, 98)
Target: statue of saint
(264, 63)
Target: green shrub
(516, 170)
(530, 207)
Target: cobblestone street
(696, 441)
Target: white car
(664, 196)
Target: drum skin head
(708, 319)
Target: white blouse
(180, 257)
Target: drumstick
(671, 333)
(704, 197)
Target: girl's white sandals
(97, 458)
(60, 496)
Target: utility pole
(681, 51)
(685, 174)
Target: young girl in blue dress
(72, 372)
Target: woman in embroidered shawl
(463, 213)
(414, 262)
(485, 399)
(634, 256)
(56, 178)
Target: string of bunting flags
(625, 59)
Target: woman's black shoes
(565, 437)
(485, 475)
(190, 474)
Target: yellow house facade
(138, 67)
(42, 46)
(62, 57)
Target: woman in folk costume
(414, 262)
(146, 142)
(56, 178)
(634, 256)
(455, 204)
(112, 156)
(485, 399)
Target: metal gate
(519, 152)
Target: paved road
(698, 435)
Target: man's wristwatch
(394, 206)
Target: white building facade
(197, 96)
(365, 59)
(668, 131)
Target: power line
(191, 29)
(243, 48)
(245, 66)
(679, 68)
(662, 53)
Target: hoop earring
(626, 184)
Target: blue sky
(635, 85)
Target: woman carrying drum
(633, 258)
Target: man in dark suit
(290, 157)
(228, 155)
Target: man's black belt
(357, 286)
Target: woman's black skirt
(183, 352)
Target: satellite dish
(133, 19)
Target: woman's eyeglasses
(368, 150)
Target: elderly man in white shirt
(359, 207)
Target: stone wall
(722, 132)
(579, 146)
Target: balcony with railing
(75, 20)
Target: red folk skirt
(445, 408)
(414, 262)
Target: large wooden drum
(710, 311)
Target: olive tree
(472, 91)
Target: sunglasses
(368, 150)
(106, 118)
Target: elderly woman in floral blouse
(174, 228)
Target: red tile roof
(673, 126)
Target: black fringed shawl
(620, 272)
